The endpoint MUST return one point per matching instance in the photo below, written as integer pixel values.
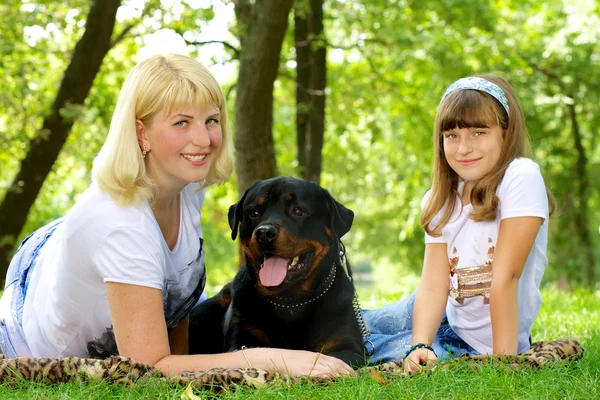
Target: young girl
(129, 256)
(486, 224)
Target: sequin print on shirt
(471, 281)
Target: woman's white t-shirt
(521, 193)
(100, 241)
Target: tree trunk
(43, 150)
(263, 26)
(303, 69)
(581, 212)
(311, 80)
(581, 165)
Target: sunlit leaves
(389, 62)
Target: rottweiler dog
(294, 290)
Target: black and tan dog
(294, 290)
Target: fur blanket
(123, 370)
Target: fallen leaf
(378, 377)
(188, 393)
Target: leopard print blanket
(123, 370)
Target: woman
(129, 256)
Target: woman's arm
(430, 303)
(515, 240)
(141, 333)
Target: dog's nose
(266, 233)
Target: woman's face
(182, 146)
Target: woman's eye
(451, 136)
(478, 133)
(183, 122)
(298, 212)
(212, 121)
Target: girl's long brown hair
(474, 109)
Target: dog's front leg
(242, 332)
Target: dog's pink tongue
(273, 271)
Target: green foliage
(221, 252)
(32, 63)
(385, 78)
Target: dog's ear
(236, 214)
(341, 217)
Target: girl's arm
(141, 333)
(432, 295)
(430, 303)
(515, 240)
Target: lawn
(563, 315)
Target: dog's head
(288, 228)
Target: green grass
(563, 315)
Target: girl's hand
(298, 363)
(417, 358)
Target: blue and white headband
(483, 85)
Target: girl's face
(183, 145)
(473, 152)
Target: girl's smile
(465, 163)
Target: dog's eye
(253, 213)
(298, 212)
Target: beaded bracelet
(419, 346)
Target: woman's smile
(196, 159)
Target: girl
(486, 224)
(129, 256)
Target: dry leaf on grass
(188, 393)
(375, 375)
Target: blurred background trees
(340, 91)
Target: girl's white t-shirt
(521, 193)
(66, 306)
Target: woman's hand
(297, 362)
(417, 358)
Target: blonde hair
(170, 81)
(474, 109)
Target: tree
(311, 81)
(44, 149)
(580, 213)
(384, 80)
(262, 25)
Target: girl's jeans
(391, 333)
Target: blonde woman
(129, 256)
